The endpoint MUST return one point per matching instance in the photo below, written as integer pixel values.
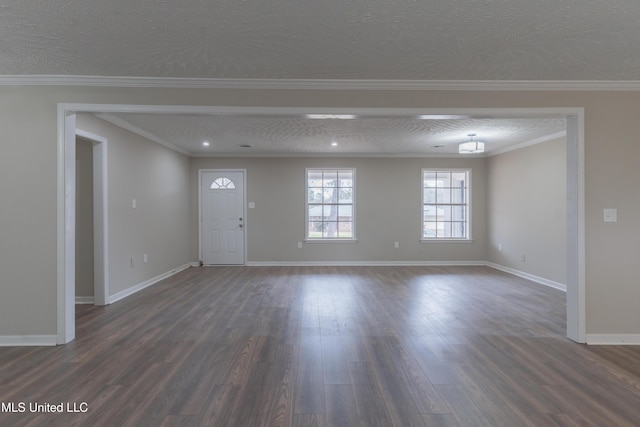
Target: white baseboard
(85, 300)
(528, 276)
(612, 339)
(28, 340)
(194, 264)
(358, 263)
(140, 286)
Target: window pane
(345, 213)
(429, 213)
(330, 195)
(429, 179)
(315, 213)
(430, 230)
(346, 178)
(458, 213)
(346, 195)
(330, 178)
(444, 213)
(457, 229)
(345, 229)
(458, 179)
(314, 178)
(223, 183)
(314, 195)
(329, 212)
(458, 195)
(429, 195)
(444, 179)
(446, 230)
(330, 230)
(315, 229)
(443, 195)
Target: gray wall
(158, 178)
(28, 214)
(527, 210)
(84, 218)
(388, 209)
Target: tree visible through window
(330, 204)
(445, 204)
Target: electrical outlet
(145, 258)
(500, 247)
(134, 203)
(396, 245)
(299, 245)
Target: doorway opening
(91, 238)
(66, 188)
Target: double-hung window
(446, 204)
(330, 204)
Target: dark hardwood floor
(327, 346)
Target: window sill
(331, 240)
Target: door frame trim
(201, 172)
(100, 216)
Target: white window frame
(468, 237)
(309, 239)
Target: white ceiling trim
(322, 84)
(339, 155)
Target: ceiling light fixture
(334, 144)
(471, 146)
(331, 116)
(206, 143)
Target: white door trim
(201, 172)
(576, 321)
(100, 217)
(66, 195)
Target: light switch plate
(252, 205)
(610, 215)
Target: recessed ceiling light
(334, 144)
(205, 143)
(438, 146)
(246, 145)
(331, 116)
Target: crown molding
(321, 84)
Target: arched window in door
(223, 183)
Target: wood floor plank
(309, 384)
(368, 396)
(327, 346)
(341, 406)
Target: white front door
(222, 217)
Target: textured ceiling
(298, 135)
(319, 39)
